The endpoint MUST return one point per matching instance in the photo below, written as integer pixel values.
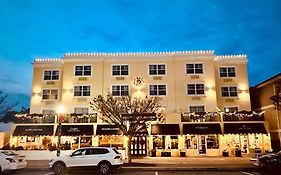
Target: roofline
(267, 81)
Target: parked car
(105, 159)
(11, 161)
(272, 161)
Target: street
(137, 172)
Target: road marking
(49, 174)
(247, 173)
(156, 173)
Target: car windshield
(9, 153)
(279, 153)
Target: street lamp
(60, 111)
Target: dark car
(272, 161)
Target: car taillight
(10, 160)
(117, 157)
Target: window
(231, 109)
(51, 74)
(83, 70)
(191, 142)
(120, 90)
(157, 69)
(229, 91)
(194, 68)
(82, 91)
(174, 142)
(48, 111)
(212, 142)
(195, 89)
(157, 90)
(120, 70)
(50, 94)
(158, 142)
(78, 110)
(227, 72)
(197, 108)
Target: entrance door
(202, 144)
(244, 144)
(138, 145)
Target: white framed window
(81, 110)
(231, 109)
(157, 69)
(197, 108)
(82, 91)
(195, 89)
(196, 68)
(50, 94)
(83, 70)
(120, 90)
(230, 91)
(120, 70)
(49, 111)
(51, 75)
(227, 72)
(157, 90)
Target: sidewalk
(174, 163)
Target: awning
(34, 130)
(199, 128)
(76, 130)
(244, 128)
(108, 130)
(165, 129)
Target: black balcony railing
(200, 117)
(243, 116)
(80, 118)
(34, 118)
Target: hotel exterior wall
(242, 101)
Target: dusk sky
(49, 28)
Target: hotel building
(188, 83)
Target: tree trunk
(129, 149)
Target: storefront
(110, 136)
(76, 136)
(164, 139)
(32, 137)
(247, 137)
(201, 139)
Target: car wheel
(104, 168)
(59, 168)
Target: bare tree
(276, 98)
(129, 114)
(4, 105)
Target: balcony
(200, 117)
(243, 116)
(34, 118)
(79, 118)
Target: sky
(32, 29)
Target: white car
(11, 161)
(105, 159)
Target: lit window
(157, 90)
(50, 94)
(120, 70)
(51, 74)
(78, 110)
(83, 70)
(229, 91)
(227, 72)
(212, 142)
(120, 90)
(195, 89)
(82, 91)
(157, 69)
(194, 68)
(197, 108)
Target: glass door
(244, 144)
(138, 145)
(202, 144)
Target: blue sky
(40, 28)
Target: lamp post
(60, 111)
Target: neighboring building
(188, 83)
(260, 98)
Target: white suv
(105, 159)
(11, 161)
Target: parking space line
(247, 173)
(156, 173)
(49, 174)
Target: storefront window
(112, 141)
(158, 142)
(212, 142)
(174, 142)
(30, 139)
(191, 142)
(86, 141)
